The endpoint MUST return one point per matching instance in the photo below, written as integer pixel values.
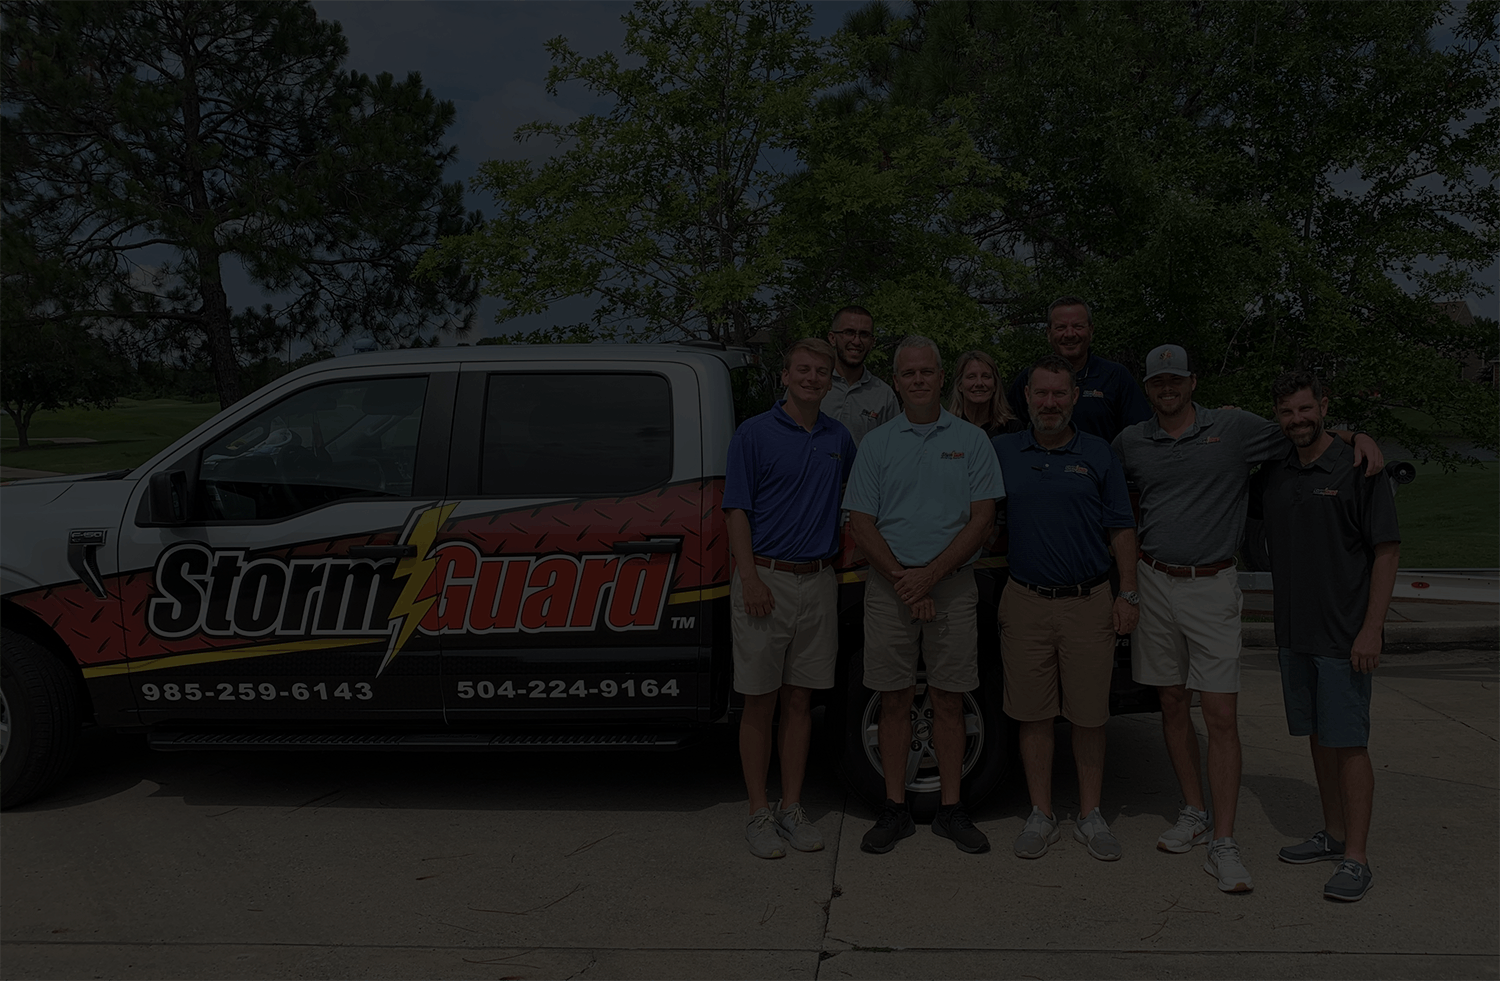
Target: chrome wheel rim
(921, 759)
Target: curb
(1484, 635)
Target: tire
(987, 751)
(40, 718)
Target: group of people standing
(920, 483)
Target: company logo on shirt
(1326, 491)
(1208, 439)
(952, 455)
(834, 456)
(1092, 393)
(1076, 468)
(871, 413)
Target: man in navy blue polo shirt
(1108, 397)
(785, 473)
(1068, 504)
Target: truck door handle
(648, 545)
(382, 551)
(83, 548)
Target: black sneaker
(1321, 847)
(952, 822)
(1349, 883)
(893, 824)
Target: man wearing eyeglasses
(859, 400)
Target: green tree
(663, 209)
(155, 142)
(1265, 182)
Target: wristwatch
(1130, 596)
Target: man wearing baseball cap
(1192, 467)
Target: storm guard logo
(448, 589)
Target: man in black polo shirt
(1334, 545)
(1109, 399)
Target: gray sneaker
(1350, 883)
(1093, 831)
(1193, 827)
(1040, 833)
(793, 825)
(760, 832)
(1321, 847)
(1223, 863)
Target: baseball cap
(1168, 359)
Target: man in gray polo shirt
(1192, 467)
(859, 400)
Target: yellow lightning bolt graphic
(417, 568)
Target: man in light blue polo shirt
(921, 502)
(785, 470)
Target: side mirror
(168, 495)
(1401, 471)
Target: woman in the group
(978, 396)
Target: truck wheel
(39, 718)
(987, 748)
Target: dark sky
(487, 58)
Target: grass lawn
(1451, 520)
(128, 435)
(1448, 520)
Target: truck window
(584, 434)
(323, 444)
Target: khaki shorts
(1059, 655)
(949, 644)
(798, 644)
(1189, 632)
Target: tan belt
(1187, 571)
(796, 568)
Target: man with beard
(1109, 399)
(1192, 467)
(859, 400)
(1334, 545)
(921, 502)
(785, 470)
(1068, 504)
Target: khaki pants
(1059, 655)
(798, 644)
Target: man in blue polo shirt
(1108, 397)
(1067, 505)
(921, 502)
(785, 472)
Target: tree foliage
(663, 209)
(149, 144)
(1272, 184)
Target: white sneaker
(793, 825)
(1193, 827)
(761, 835)
(1223, 863)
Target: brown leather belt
(1187, 571)
(796, 568)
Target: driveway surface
(240, 865)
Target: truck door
(569, 575)
(290, 591)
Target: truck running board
(444, 741)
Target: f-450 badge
(448, 589)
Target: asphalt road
(225, 865)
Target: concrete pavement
(386, 865)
